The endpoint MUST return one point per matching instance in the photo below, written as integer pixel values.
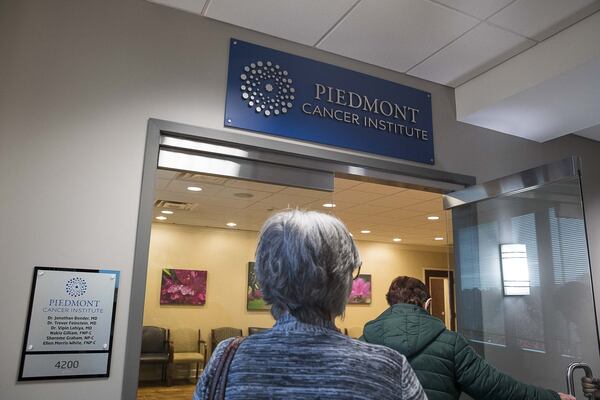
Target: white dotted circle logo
(267, 88)
(76, 287)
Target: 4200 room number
(63, 364)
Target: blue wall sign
(286, 95)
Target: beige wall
(225, 254)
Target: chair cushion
(154, 357)
(188, 357)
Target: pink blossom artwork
(361, 290)
(183, 286)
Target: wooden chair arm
(171, 351)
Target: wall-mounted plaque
(282, 94)
(70, 324)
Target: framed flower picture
(254, 299)
(361, 290)
(183, 286)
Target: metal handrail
(571, 369)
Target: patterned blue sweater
(294, 360)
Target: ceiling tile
(299, 21)
(392, 216)
(421, 195)
(193, 6)
(318, 206)
(341, 183)
(315, 194)
(477, 51)
(396, 34)
(165, 174)
(161, 183)
(260, 187)
(367, 209)
(354, 196)
(481, 9)
(395, 201)
(432, 206)
(283, 201)
(180, 186)
(539, 19)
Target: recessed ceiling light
(397, 239)
(167, 212)
(231, 224)
(365, 231)
(351, 235)
(433, 218)
(161, 218)
(329, 205)
(438, 238)
(194, 189)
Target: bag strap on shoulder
(219, 380)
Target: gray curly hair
(304, 264)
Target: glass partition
(524, 290)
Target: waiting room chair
(219, 334)
(155, 348)
(187, 347)
(253, 329)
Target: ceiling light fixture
(397, 239)
(438, 238)
(194, 189)
(167, 212)
(329, 205)
(433, 218)
(231, 224)
(161, 218)
(365, 231)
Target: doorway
(192, 153)
(440, 282)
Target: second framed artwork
(254, 299)
(361, 290)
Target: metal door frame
(248, 147)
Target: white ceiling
(387, 211)
(450, 42)
(444, 41)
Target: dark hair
(405, 289)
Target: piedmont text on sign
(286, 95)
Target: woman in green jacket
(444, 362)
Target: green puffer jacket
(443, 360)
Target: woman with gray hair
(305, 263)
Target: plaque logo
(267, 88)
(76, 287)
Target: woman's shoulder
(378, 352)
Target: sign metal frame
(25, 352)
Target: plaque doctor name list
(70, 324)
